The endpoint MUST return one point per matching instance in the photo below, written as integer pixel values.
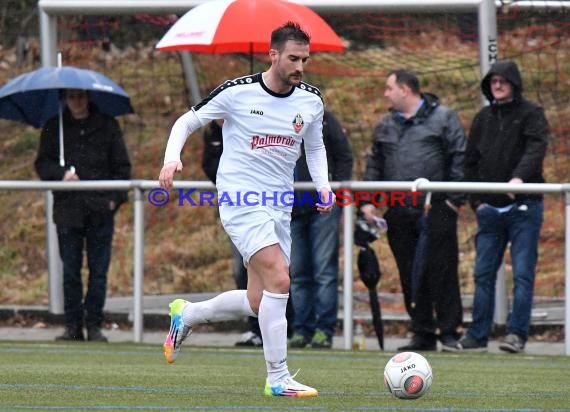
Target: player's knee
(283, 283)
(277, 282)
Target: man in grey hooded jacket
(507, 143)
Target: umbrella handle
(416, 183)
(61, 155)
(427, 204)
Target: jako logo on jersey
(258, 142)
(298, 123)
(259, 112)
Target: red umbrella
(245, 26)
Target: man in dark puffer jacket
(420, 138)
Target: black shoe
(469, 344)
(94, 335)
(450, 344)
(420, 343)
(72, 333)
(251, 340)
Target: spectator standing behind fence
(266, 118)
(420, 138)
(315, 247)
(507, 143)
(94, 150)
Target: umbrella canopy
(369, 268)
(33, 98)
(245, 26)
(370, 275)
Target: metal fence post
(55, 267)
(501, 297)
(567, 275)
(138, 265)
(348, 242)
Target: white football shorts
(252, 228)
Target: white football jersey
(262, 134)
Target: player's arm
(316, 155)
(183, 127)
(317, 163)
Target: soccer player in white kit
(266, 117)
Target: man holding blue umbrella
(93, 149)
(79, 142)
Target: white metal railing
(140, 186)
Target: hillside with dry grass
(185, 248)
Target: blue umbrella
(33, 98)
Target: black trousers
(438, 309)
(96, 240)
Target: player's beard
(295, 78)
(290, 79)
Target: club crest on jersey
(298, 123)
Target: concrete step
(546, 311)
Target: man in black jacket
(507, 143)
(315, 246)
(94, 150)
(420, 138)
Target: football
(408, 375)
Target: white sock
(273, 325)
(226, 306)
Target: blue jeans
(495, 230)
(314, 272)
(97, 239)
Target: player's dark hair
(407, 78)
(289, 31)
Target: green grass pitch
(135, 377)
